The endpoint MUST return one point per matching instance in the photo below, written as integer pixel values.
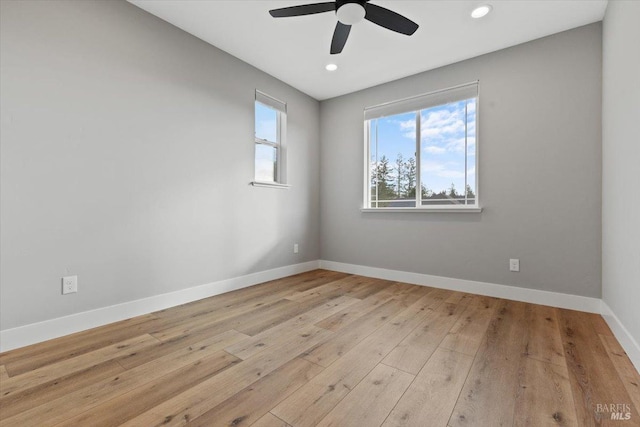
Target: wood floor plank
(360, 287)
(197, 323)
(327, 290)
(270, 420)
(48, 373)
(459, 298)
(487, 395)
(467, 333)
(259, 324)
(245, 300)
(593, 377)
(163, 348)
(223, 322)
(48, 352)
(431, 397)
(600, 325)
(212, 314)
(312, 347)
(542, 341)
(250, 404)
(128, 405)
(626, 371)
(544, 395)
(369, 403)
(355, 311)
(327, 352)
(29, 398)
(82, 400)
(251, 294)
(414, 351)
(412, 293)
(312, 402)
(363, 287)
(210, 393)
(285, 331)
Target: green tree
(426, 192)
(453, 193)
(400, 177)
(381, 181)
(410, 178)
(470, 194)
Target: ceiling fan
(350, 12)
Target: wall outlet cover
(69, 284)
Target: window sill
(270, 185)
(424, 210)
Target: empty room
(288, 213)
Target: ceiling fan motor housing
(350, 12)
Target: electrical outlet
(69, 284)
(295, 248)
(514, 264)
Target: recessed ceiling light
(331, 67)
(481, 11)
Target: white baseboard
(54, 328)
(42, 331)
(535, 296)
(626, 340)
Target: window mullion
(418, 159)
(277, 145)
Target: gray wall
(127, 150)
(540, 173)
(621, 156)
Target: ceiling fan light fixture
(331, 67)
(350, 13)
(481, 11)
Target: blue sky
(442, 143)
(265, 128)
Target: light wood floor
(328, 349)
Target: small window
(421, 152)
(270, 125)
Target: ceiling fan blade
(340, 36)
(390, 20)
(304, 9)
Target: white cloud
(434, 149)
(443, 130)
(431, 166)
(457, 145)
(451, 174)
(445, 170)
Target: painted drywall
(620, 159)
(539, 177)
(127, 152)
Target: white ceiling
(296, 50)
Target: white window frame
(417, 104)
(279, 144)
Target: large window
(270, 127)
(421, 152)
